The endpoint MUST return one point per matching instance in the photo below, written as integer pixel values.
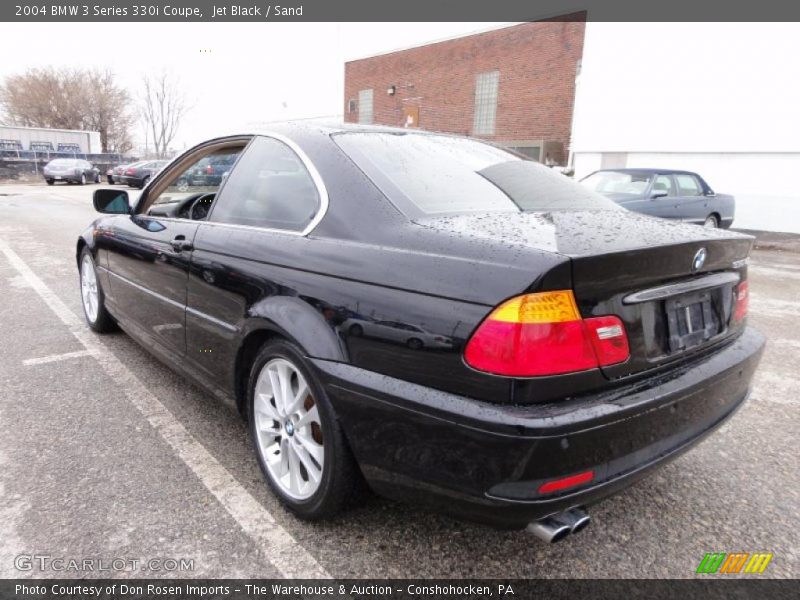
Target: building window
(351, 105)
(365, 107)
(485, 102)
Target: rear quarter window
(270, 187)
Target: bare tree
(163, 105)
(109, 111)
(70, 99)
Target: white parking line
(275, 543)
(55, 358)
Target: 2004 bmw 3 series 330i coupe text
(430, 314)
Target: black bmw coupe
(583, 345)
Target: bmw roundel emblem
(699, 260)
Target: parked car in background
(70, 170)
(138, 174)
(120, 174)
(664, 193)
(208, 173)
(114, 174)
(599, 343)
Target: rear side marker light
(565, 483)
(544, 334)
(742, 301)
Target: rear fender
(297, 321)
(291, 319)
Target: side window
(270, 187)
(663, 183)
(204, 175)
(688, 185)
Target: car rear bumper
(485, 462)
(62, 177)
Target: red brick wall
(537, 64)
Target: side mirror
(659, 194)
(112, 202)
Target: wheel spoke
(314, 472)
(285, 378)
(294, 470)
(312, 447)
(264, 406)
(298, 399)
(271, 452)
(310, 417)
(276, 389)
(284, 456)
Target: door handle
(179, 244)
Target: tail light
(544, 334)
(130, 171)
(209, 170)
(742, 301)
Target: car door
(148, 258)
(268, 200)
(656, 203)
(691, 203)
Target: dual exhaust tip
(555, 528)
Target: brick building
(514, 86)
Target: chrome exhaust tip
(549, 530)
(576, 518)
(556, 528)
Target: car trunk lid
(647, 271)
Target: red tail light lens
(543, 334)
(608, 338)
(557, 485)
(742, 301)
(209, 170)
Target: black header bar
(406, 11)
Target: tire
(97, 178)
(144, 183)
(415, 344)
(110, 179)
(356, 330)
(712, 222)
(281, 448)
(95, 313)
(83, 179)
(50, 181)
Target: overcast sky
(254, 72)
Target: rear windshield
(618, 182)
(424, 174)
(63, 162)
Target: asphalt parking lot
(105, 453)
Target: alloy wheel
(288, 429)
(89, 288)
